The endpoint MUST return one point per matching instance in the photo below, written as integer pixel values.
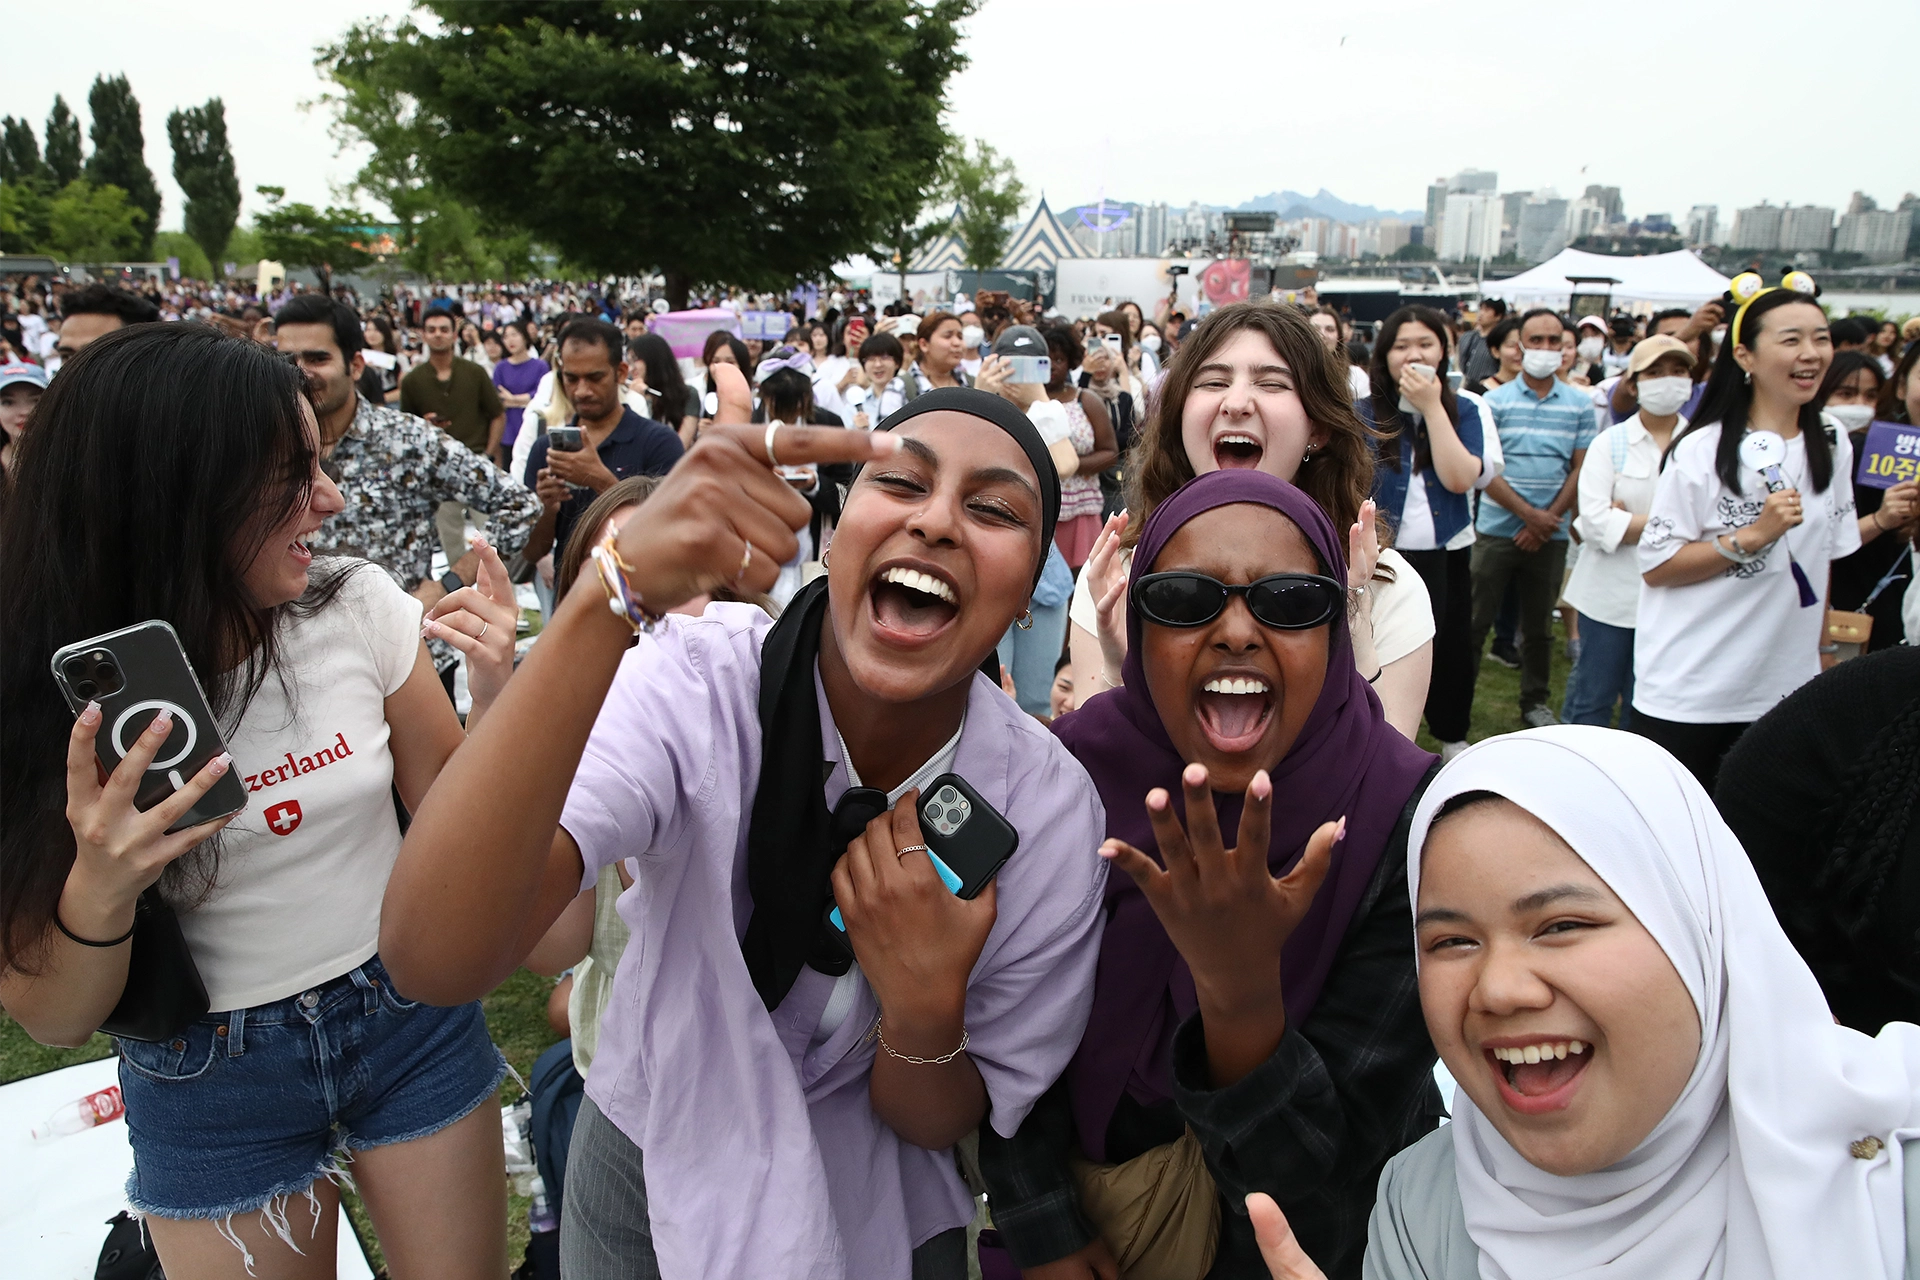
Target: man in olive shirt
(457, 396)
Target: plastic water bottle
(80, 1114)
(540, 1215)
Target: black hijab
(794, 840)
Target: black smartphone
(565, 439)
(966, 837)
(135, 674)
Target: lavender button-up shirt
(764, 1157)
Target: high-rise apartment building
(1542, 230)
(1703, 225)
(1879, 234)
(1806, 227)
(1470, 228)
(1436, 211)
(1757, 227)
(1607, 200)
(1477, 182)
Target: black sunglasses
(1283, 601)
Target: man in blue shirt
(616, 442)
(1545, 426)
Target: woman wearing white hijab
(1684, 1106)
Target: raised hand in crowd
(1226, 912)
(480, 621)
(1109, 581)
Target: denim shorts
(247, 1107)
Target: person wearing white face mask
(1590, 343)
(1615, 492)
(1151, 348)
(1545, 426)
(1875, 579)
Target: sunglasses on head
(1283, 601)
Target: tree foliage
(324, 241)
(711, 141)
(89, 222)
(63, 143)
(989, 195)
(119, 151)
(203, 166)
(19, 152)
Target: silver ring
(912, 848)
(771, 456)
(483, 631)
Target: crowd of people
(1117, 634)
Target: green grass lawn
(516, 1015)
(517, 1011)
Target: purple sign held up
(686, 331)
(1892, 455)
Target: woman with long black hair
(1429, 454)
(763, 1101)
(1754, 504)
(669, 398)
(196, 510)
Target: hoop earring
(1024, 621)
(824, 555)
(1308, 455)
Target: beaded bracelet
(622, 600)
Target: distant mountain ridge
(1323, 204)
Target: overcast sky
(1210, 100)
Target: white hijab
(1750, 1176)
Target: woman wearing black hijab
(1823, 792)
(794, 1104)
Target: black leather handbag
(164, 993)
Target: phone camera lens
(933, 812)
(75, 670)
(107, 672)
(85, 688)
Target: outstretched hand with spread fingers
(1285, 1259)
(482, 622)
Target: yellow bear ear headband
(1747, 287)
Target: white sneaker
(1448, 750)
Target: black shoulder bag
(164, 992)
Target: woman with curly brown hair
(1254, 387)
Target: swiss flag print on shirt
(283, 818)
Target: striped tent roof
(942, 253)
(1041, 243)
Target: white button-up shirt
(1622, 466)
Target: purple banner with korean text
(1891, 455)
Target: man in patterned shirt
(394, 469)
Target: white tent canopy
(1662, 279)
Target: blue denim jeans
(248, 1107)
(1030, 655)
(1602, 675)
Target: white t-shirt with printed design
(302, 871)
(1725, 650)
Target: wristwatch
(451, 581)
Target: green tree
(1415, 253)
(88, 222)
(19, 152)
(989, 195)
(193, 261)
(324, 241)
(712, 141)
(23, 216)
(119, 151)
(203, 166)
(63, 142)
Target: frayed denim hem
(272, 1207)
(351, 1142)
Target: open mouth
(301, 552)
(1237, 451)
(1539, 1077)
(912, 604)
(1234, 711)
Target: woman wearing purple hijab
(1261, 997)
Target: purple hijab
(1347, 760)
